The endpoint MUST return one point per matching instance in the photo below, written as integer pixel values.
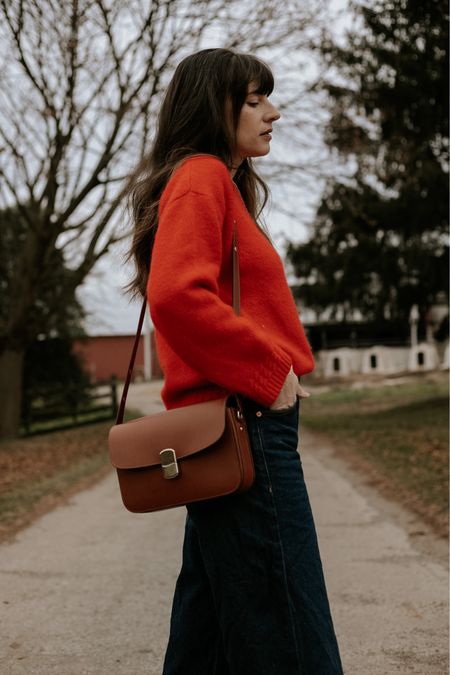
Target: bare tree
(81, 81)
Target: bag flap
(187, 430)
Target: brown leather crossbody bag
(186, 454)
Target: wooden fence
(45, 410)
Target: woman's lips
(267, 136)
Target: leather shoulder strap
(236, 279)
(236, 307)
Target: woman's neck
(235, 164)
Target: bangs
(249, 68)
(261, 74)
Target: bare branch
(21, 208)
(81, 84)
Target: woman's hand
(289, 392)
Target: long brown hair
(193, 120)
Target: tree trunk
(11, 364)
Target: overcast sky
(110, 310)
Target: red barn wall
(107, 355)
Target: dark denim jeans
(251, 598)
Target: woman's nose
(274, 114)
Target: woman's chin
(259, 152)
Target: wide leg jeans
(251, 597)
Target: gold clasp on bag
(169, 463)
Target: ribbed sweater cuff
(271, 377)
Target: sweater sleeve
(230, 350)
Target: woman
(250, 598)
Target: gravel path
(87, 588)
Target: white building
(385, 359)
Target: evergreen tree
(379, 242)
(56, 311)
(53, 320)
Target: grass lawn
(401, 431)
(39, 472)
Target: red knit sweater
(204, 348)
